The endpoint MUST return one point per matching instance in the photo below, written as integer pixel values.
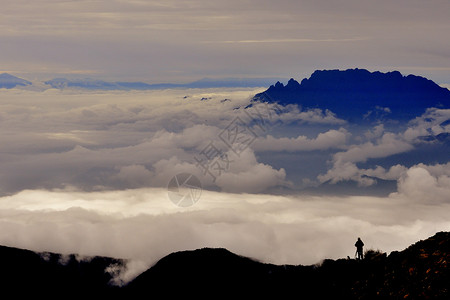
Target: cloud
(238, 173)
(143, 225)
(375, 133)
(429, 184)
(383, 144)
(104, 137)
(387, 145)
(314, 116)
(134, 176)
(247, 175)
(433, 122)
(113, 139)
(330, 139)
(287, 41)
(345, 163)
(87, 173)
(394, 172)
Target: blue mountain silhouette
(357, 94)
(9, 81)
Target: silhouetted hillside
(25, 273)
(419, 272)
(357, 94)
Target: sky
(182, 41)
(87, 171)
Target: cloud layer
(143, 225)
(110, 140)
(87, 173)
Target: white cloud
(375, 133)
(344, 163)
(393, 173)
(425, 184)
(116, 139)
(127, 146)
(387, 145)
(314, 116)
(143, 225)
(433, 122)
(326, 140)
(247, 175)
(241, 174)
(382, 144)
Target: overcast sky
(184, 40)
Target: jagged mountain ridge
(355, 94)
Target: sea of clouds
(87, 173)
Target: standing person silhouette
(359, 248)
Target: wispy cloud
(289, 40)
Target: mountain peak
(293, 84)
(352, 93)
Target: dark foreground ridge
(419, 272)
(356, 94)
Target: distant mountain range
(419, 272)
(8, 81)
(357, 94)
(92, 84)
(354, 94)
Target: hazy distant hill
(357, 94)
(9, 81)
(419, 272)
(93, 84)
